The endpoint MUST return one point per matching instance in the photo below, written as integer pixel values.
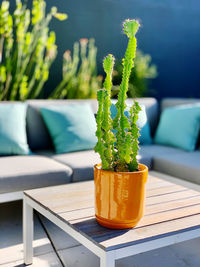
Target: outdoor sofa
(46, 168)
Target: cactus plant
(27, 49)
(117, 142)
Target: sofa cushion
(81, 162)
(37, 133)
(145, 159)
(171, 102)
(19, 173)
(148, 152)
(72, 127)
(185, 165)
(13, 139)
(179, 127)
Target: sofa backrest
(37, 133)
(171, 102)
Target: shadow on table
(97, 232)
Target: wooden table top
(170, 209)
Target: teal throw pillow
(13, 139)
(179, 127)
(72, 127)
(145, 136)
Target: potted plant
(119, 179)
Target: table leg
(28, 233)
(107, 260)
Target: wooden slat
(171, 197)
(165, 190)
(116, 239)
(179, 203)
(60, 191)
(157, 184)
(139, 235)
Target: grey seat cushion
(144, 158)
(148, 152)
(185, 165)
(26, 172)
(82, 163)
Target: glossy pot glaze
(119, 197)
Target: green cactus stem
(100, 147)
(134, 111)
(119, 152)
(121, 122)
(108, 136)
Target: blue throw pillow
(145, 136)
(13, 139)
(72, 127)
(179, 127)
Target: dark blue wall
(170, 33)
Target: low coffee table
(172, 215)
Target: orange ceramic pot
(119, 197)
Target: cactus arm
(108, 136)
(100, 148)
(134, 111)
(121, 122)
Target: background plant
(118, 151)
(27, 49)
(140, 77)
(80, 78)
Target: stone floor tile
(11, 246)
(47, 260)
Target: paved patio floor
(52, 247)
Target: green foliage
(139, 79)
(80, 78)
(118, 151)
(27, 49)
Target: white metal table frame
(107, 258)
